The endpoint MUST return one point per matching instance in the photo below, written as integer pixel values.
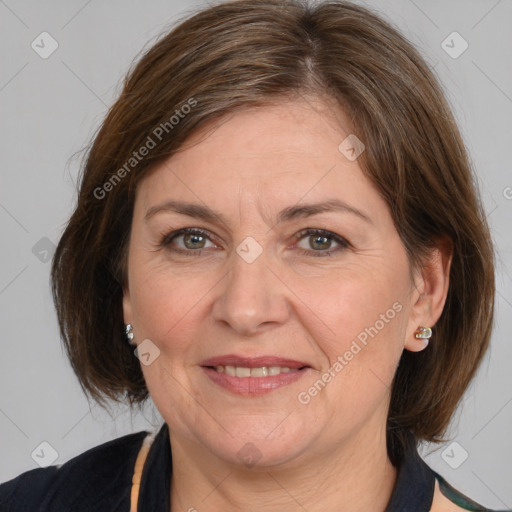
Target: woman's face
(248, 291)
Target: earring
(423, 333)
(129, 333)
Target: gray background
(49, 111)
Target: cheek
(356, 303)
(166, 307)
(164, 304)
(358, 320)
(360, 351)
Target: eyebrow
(287, 214)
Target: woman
(278, 218)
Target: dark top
(100, 480)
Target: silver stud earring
(423, 333)
(128, 329)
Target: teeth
(259, 372)
(242, 372)
(264, 371)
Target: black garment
(100, 479)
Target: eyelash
(343, 244)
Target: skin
(288, 303)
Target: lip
(253, 362)
(253, 386)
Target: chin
(263, 447)
(259, 456)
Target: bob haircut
(250, 53)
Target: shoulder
(98, 479)
(448, 499)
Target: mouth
(260, 371)
(253, 376)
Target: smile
(245, 381)
(263, 371)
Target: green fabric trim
(460, 499)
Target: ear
(431, 288)
(127, 306)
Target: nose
(253, 297)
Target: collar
(414, 487)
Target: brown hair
(249, 53)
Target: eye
(187, 240)
(311, 242)
(319, 242)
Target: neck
(357, 476)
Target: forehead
(268, 154)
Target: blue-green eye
(318, 242)
(187, 240)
